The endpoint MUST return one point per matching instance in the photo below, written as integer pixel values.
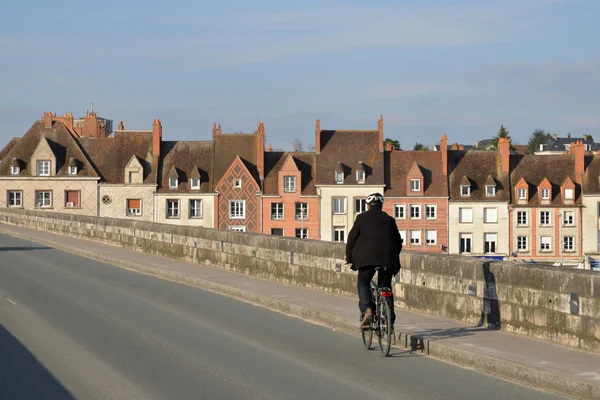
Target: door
(466, 240)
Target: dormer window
(569, 194)
(339, 177)
(195, 183)
(72, 170)
(43, 168)
(465, 190)
(415, 185)
(15, 170)
(545, 194)
(173, 183)
(289, 184)
(490, 191)
(360, 176)
(522, 194)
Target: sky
(430, 67)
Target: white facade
(183, 209)
(116, 201)
(591, 226)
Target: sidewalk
(569, 372)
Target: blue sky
(430, 67)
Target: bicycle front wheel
(385, 328)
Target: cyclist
(373, 241)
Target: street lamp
(559, 238)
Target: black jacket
(374, 240)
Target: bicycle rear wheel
(385, 328)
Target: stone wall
(556, 304)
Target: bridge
(83, 315)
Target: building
(561, 145)
(591, 211)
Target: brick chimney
(389, 146)
(260, 151)
(578, 150)
(461, 146)
(90, 125)
(47, 119)
(504, 149)
(380, 130)
(156, 137)
(121, 126)
(66, 119)
(318, 137)
(216, 130)
(270, 148)
(444, 151)
(454, 146)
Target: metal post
(561, 244)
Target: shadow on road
(24, 248)
(22, 376)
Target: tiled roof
(8, 146)
(534, 168)
(430, 162)
(111, 155)
(477, 166)
(591, 178)
(350, 147)
(228, 146)
(187, 159)
(559, 144)
(305, 162)
(62, 144)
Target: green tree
(420, 147)
(502, 133)
(588, 137)
(537, 138)
(395, 144)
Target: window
(465, 190)
(237, 228)
(72, 198)
(133, 176)
(195, 183)
(15, 198)
(415, 238)
(237, 184)
(289, 184)
(521, 243)
(490, 191)
(430, 237)
(415, 185)
(173, 183)
(237, 209)
(360, 176)
(430, 211)
(134, 207)
(399, 211)
(490, 215)
(402, 235)
(569, 194)
(568, 243)
(339, 234)
(545, 218)
(339, 206)
(15, 170)
(43, 199)
(276, 210)
(522, 194)
(465, 241)
(545, 194)
(72, 170)
(195, 208)
(276, 231)
(415, 211)
(301, 211)
(339, 177)
(522, 218)
(43, 168)
(302, 233)
(545, 242)
(360, 206)
(569, 218)
(490, 241)
(172, 208)
(465, 215)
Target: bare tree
(298, 146)
(312, 148)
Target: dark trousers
(365, 298)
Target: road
(73, 328)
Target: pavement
(569, 372)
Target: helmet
(374, 197)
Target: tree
(502, 133)
(395, 144)
(298, 146)
(587, 136)
(420, 147)
(537, 138)
(569, 135)
(312, 148)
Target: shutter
(134, 203)
(73, 197)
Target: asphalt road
(73, 328)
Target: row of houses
(481, 203)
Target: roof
(559, 143)
(591, 178)
(228, 146)
(305, 162)
(430, 163)
(556, 168)
(187, 159)
(8, 147)
(112, 154)
(350, 147)
(477, 166)
(62, 144)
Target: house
(349, 165)
(479, 193)
(546, 206)
(591, 210)
(290, 203)
(561, 145)
(417, 196)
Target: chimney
(90, 125)
(318, 137)
(260, 151)
(578, 150)
(270, 148)
(380, 130)
(156, 137)
(66, 119)
(454, 146)
(121, 126)
(389, 146)
(461, 146)
(504, 149)
(444, 151)
(216, 130)
(47, 118)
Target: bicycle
(382, 319)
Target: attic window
(72, 170)
(522, 194)
(43, 168)
(490, 191)
(237, 183)
(173, 183)
(196, 183)
(15, 170)
(415, 185)
(339, 177)
(465, 190)
(545, 194)
(569, 194)
(360, 176)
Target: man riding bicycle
(374, 241)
